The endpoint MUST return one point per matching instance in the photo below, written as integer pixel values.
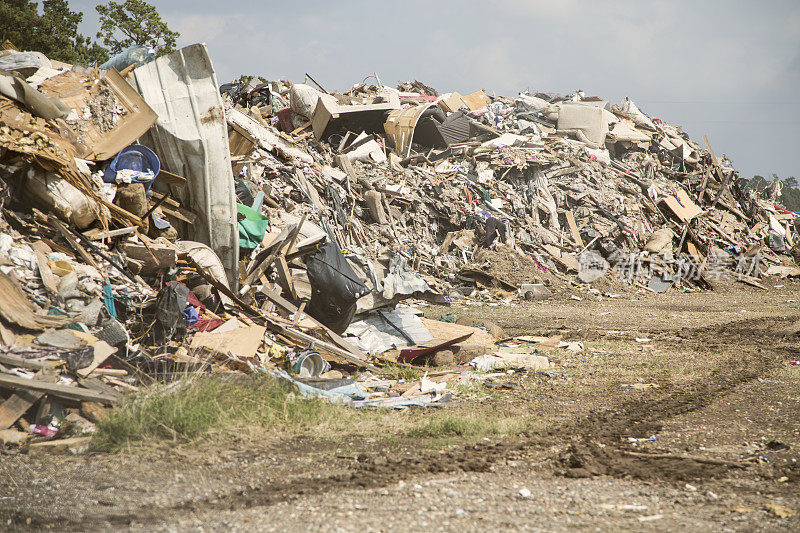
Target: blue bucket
(134, 157)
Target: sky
(726, 69)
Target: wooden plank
(351, 352)
(121, 213)
(290, 238)
(112, 233)
(301, 128)
(303, 338)
(703, 187)
(120, 383)
(154, 256)
(110, 372)
(169, 178)
(751, 281)
(96, 385)
(266, 287)
(174, 209)
(222, 288)
(343, 163)
(59, 446)
(573, 228)
(310, 189)
(299, 313)
(30, 364)
(149, 249)
(61, 391)
(290, 308)
(722, 178)
(281, 240)
(285, 276)
(448, 241)
(295, 233)
(75, 245)
(16, 406)
(7, 337)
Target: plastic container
(134, 157)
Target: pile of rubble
(155, 224)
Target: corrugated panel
(191, 139)
(455, 129)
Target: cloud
(206, 27)
(706, 65)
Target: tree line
(51, 27)
(790, 189)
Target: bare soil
(685, 430)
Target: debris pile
(154, 224)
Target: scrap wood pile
(155, 224)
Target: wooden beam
(354, 354)
(301, 128)
(61, 391)
(16, 406)
(290, 238)
(30, 364)
(722, 178)
(290, 308)
(311, 191)
(343, 163)
(285, 276)
(303, 338)
(703, 188)
(295, 233)
(573, 228)
(174, 209)
(75, 245)
(260, 268)
(299, 313)
(749, 280)
(112, 233)
(171, 179)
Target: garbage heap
(156, 224)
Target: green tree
(54, 32)
(244, 78)
(790, 194)
(134, 22)
(757, 183)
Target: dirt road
(685, 428)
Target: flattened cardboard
(452, 103)
(686, 209)
(242, 342)
(476, 100)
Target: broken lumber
(62, 391)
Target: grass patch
(188, 409)
(468, 425)
(398, 372)
(204, 406)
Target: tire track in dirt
(593, 442)
(643, 417)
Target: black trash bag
(335, 288)
(170, 303)
(243, 193)
(78, 359)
